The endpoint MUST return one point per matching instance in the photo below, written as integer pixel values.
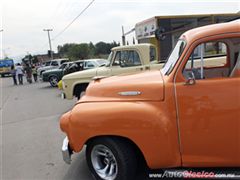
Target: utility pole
(123, 37)
(125, 34)
(49, 39)
(1, 46)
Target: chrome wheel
(104, 162)
(53, 81)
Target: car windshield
(174, 56)
(62, 66)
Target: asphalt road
(30, 136)
(31, 140)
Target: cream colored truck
(122, 60)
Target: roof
(185, 16)
(59, 59)
(210, 30)
(135, 46)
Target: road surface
(31, 139)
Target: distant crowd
(18, 71)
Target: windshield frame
(168, 68)
(110, 59)
(63, 66)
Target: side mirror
(191, 80)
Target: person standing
(13, 73)
(19, 73)
(28, 71)
(34, 72)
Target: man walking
(13, 73)
(28, 70)
(19, 73)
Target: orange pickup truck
(185, 115)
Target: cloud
(24, 20)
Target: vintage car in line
(53, 64)
(53, 76)
(123, 59)
(185, 115)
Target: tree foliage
(84, 50)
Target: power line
(61, 32)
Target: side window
(127, 59)
(89, 64)
(80, 66)
(136, 59)
(208, 60)
(117, 59)
(54, 63)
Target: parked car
(55, 75)
(185, 115)
(123, 59)
(53, 64)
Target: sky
(23, 21)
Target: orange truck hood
(147, 86)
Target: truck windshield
(109, 59)
(6, 63)
(174, 56)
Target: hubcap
(104, 162)
(54, 81)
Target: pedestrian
(28, 71)
(34, 72)
(19, 73)
(13, 73)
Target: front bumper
(66, 151)
(63, 96)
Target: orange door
(209, 122)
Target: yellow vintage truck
(122, 60)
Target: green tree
(84, 50)
(78, 51)
(92, 49)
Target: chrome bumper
(63, 96)
(66, 151)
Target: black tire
(124, 156)
(53, 80)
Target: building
(164, 31)
(41, 58)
